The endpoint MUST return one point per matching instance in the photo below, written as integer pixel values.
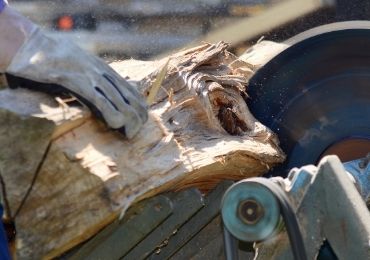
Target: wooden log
(66, 175)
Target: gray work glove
(43, 59)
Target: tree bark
(66, 175)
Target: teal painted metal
(234, 198)
(185, 205)
(360, 170)
(328, 207)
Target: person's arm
(4, 247)
(34, 60)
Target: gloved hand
(56, 61)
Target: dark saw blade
(316, 94)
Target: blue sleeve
(4, 249)
(3, 3)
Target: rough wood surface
(67, 176)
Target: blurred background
(148, 29)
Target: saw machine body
(329, 203)
(316, 96)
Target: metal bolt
(364, 162)
(250, 211)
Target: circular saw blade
(316, 93)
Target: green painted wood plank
(121, 236)
(214, 250)
(185, 205)
(194, 225)
(207, 244)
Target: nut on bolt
(364, 162)
(250, 211)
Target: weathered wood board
(67, 176)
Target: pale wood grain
(200, 131)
